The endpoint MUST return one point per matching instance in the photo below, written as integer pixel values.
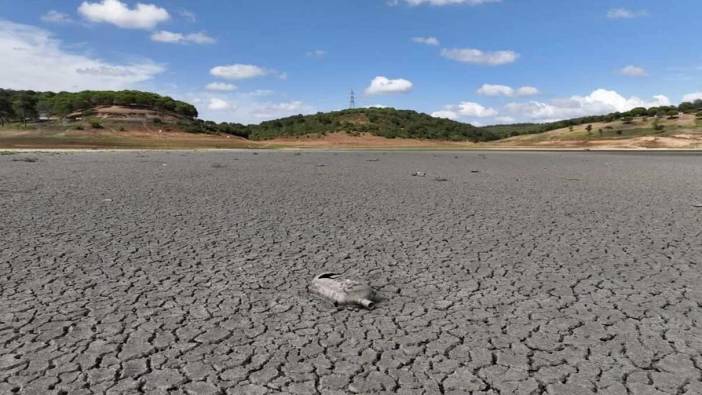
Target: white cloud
(220, 87)
(470, 109)
(317, 53)
(266, 111)
(495, 90)
(527, 91)
(690, 97)
(179, 38)
(216, 104)
(383, 86)
(433, 41)
(143, 16)
(465, 110)
(633, 71)
(450, 2)
(54, 16)
(33, 59)
(504, 120)
(241, 107)
(624, 13)
(504, 90)
(600, 101)
(445, 114)
(477, 56)
(238, 71)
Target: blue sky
(478, 61)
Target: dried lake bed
(499, 272)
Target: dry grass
(110, 139)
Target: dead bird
(343, 291)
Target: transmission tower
(352, 100)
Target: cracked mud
(527, 273)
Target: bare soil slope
(684, 131)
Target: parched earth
(186, 272)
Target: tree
(5, 110)
(638, 111)
(24, 106)
(589, 129)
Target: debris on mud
(343, 291)
(475, 171)
(440, 179)
(28, 160)
(419, 174)
(373, 160)
(698, 205)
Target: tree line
(24, 106)
(503, 131)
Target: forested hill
(30, 105)
(384, 122)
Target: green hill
(384, 122)
(664, 113)
(142, 111)
(29, 106)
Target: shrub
(96, 125)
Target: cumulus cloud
(633, 71)
(33, 59)
(433, 41)
(504, 120)
(179, 38)
(242, 107)
(143, 16)
(625, 13)
(220, 87)
(504, 90)
(476, 56)
(54, 16)
(600, 101)
(239, 71)
(445, 114)
(265, 111)
(216, 104)
(465, 110)
(690, 97)
(450, 2)
(384, 86)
